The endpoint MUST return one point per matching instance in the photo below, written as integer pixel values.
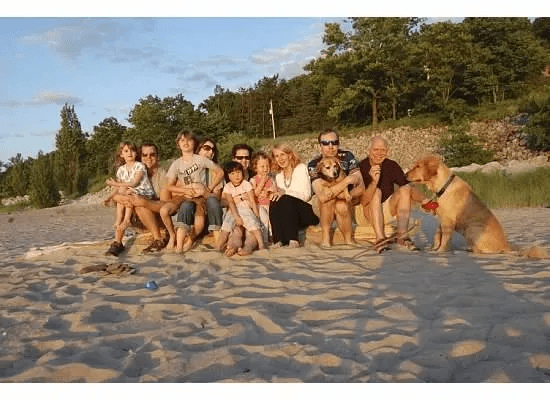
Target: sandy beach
(279, 315)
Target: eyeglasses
(242, 158)
(148, 154)
(330, 142)
(207, 147)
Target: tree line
(379, 69)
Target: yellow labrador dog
(459, 209)
(330, 172)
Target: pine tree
(70, 142)
(43, 189)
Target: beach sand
(279, 315)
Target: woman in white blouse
(289, 210)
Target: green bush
(459, 149)
(538, 127)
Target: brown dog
(330, 171)
(459, 209)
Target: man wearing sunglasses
(147, 211)
(242, 154)
(325, 201)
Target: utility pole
(272, 118)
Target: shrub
(461, 149)
(538, 127)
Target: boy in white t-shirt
(243, 209)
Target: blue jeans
(214, 214)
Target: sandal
(157, 245)
(115, 249)
(381, 245)
(407, 243)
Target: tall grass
(497, 190)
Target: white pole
(272, 118)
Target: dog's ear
(431, 165)
(319, 166)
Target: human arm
(251, 199)
(233, 208)
(370, 189)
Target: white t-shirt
(188, 172)
(127, 174)
(239, 193)
(299, 185)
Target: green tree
(102, 146)
(514, 53)
(17, 175)
(70, 156)
(43, 188)
(159, 121)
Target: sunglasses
(242, 158)
(148, 154)
(330, 142)
(207, 147)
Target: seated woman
(289, 211)
(214, 212)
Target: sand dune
(279, 315)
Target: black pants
(287, 216)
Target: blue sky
(104, 65)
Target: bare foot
(187, 244)
(276, 245)
(244, 252)
(230, 251)
(293, 244)
(171, 243)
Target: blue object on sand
(152, 285)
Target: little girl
(243, 210)
(263, 187)
(131, 178)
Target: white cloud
(44, 98)
(59, 98)
(102, 37)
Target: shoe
(157, 245)
(115, 249)
(407, 244)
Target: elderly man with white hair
(380, 175)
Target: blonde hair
(285, 148)
(257, 157)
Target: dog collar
(445, 186)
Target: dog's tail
(535, 252)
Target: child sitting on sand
(263, 187)
(131, 178)
(187, 182)
(243, 210)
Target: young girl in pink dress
(263, 186)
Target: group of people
(257, 199)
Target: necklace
(287, 185)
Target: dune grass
(497, 190)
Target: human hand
(275, 196)
(239, 221)
(110, 182)
(375, 173)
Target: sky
(103, 60)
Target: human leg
(374, 214)
(149, 220)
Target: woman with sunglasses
(214, 212)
